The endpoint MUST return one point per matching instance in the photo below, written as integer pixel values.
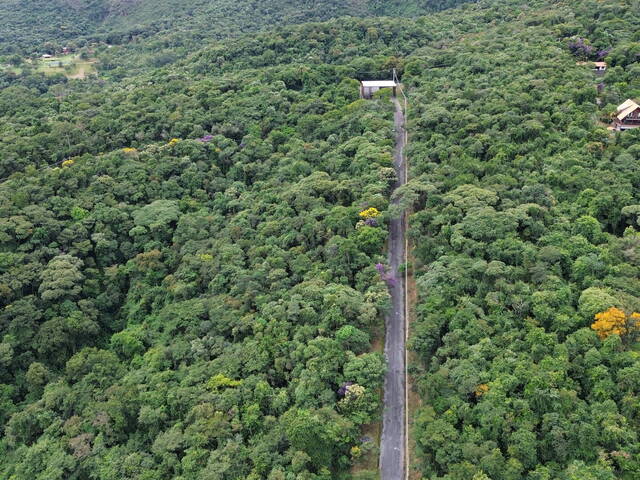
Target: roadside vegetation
(527, 246)
(192, 264)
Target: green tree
(62, 278)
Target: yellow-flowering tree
(615, 321)
(370, 213)
(356, 452)
(481, 389)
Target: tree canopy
(192, 242)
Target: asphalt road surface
(392, 442)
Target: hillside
(41, 26)
(191, 245)
(194, 303)
(525, 227)
(45, 26)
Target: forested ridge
(192, 288)
(46, 25)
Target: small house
(46, 55)
(627, 116)
(369, 87)
(600, 67)
(66, 50)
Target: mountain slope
(184, 316)
(191, 291)
(525, 228)
(41, 26)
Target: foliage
(186, 298)
(47, 25)
(519, 240)
(194, 296)
(371, 212)
(615, 322)
(221, 381)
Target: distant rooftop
(626, 108)
(379, 83)
(627, 103)
(596, 64)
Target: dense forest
(30, 26)
(526, 227)
(191, 301)
(190, 241)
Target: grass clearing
(71, 66)
(10, 69)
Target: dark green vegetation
(190, 308)
(186, 301)
(525, 226)
(46, 25)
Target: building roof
(626, 108)
(627, 103)
(379, 83)
(596, 64)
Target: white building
(369, 87)
(600, 67)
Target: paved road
(392, 443)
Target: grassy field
(10, 68)
(71, 66)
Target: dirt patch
(377, 342)
(368, 462)
(82, 70)
(80, 74)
